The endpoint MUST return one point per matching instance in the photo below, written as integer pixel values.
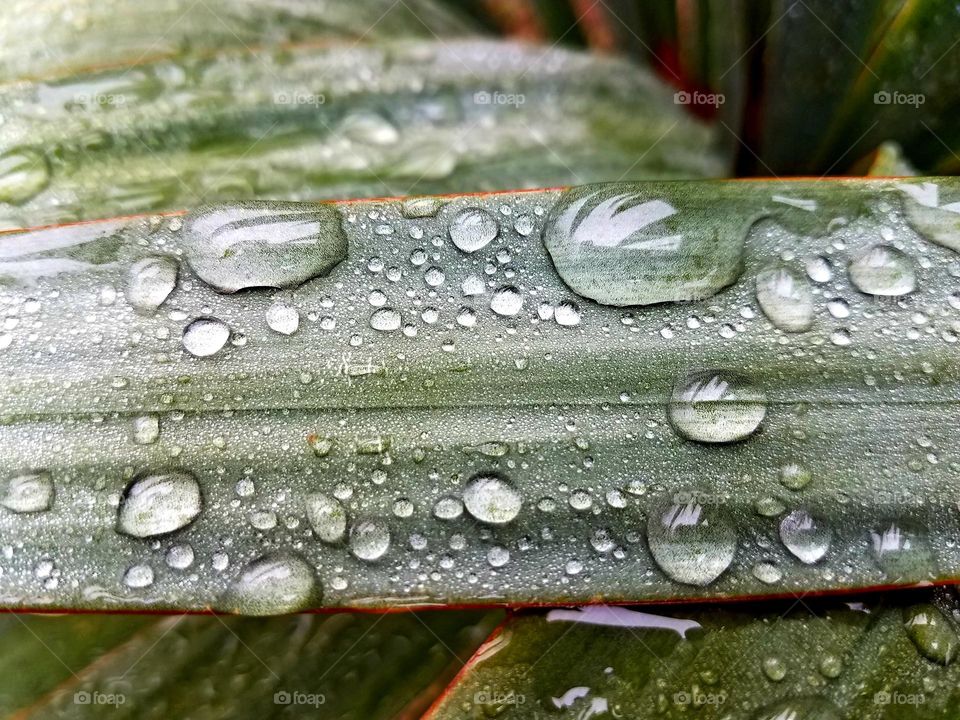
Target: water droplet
(767, 573)
(838, 308)
(272, 585)
(473, 229)
(434, 276)
(180, 557)
(883, 270)
(567, 313)
(138, 576)
(146, 429)
(205, 336)
(506, 301)
(150, 282)
(716, 407)
(794, 476)
(498, 556)
(644, 244)
(29, 493)
(774, 668)
(369, 128)
(523, 225)
(690, 544)
(448, 508)
(472, 285)
(369, 539)
(263, 244)
(156, 503)
(902, 552)
(327, 517)
(785, 299)
(807, 537)
(23, 173)
(931, 632)
(491, 498)
(819, 269)
(282, 318)
(831, 666)
(386, 319)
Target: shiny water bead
(369, 539)
(473, 229)
(273, 584)
(716, 406)
(491, 498)
(806, 536)
(785, 299)
(150, 282)
(327, 517)
(205, 336)
(263, 244)
(691, 543)
(282, 318)
(156, 503)
(28, 493)
(883, 270)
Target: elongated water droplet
(385, 319)
(369, 539)
(273, 585)
(205, 336)
(150, 281)
(883, 270)
(327, 517)
(264, 244)
(935, 217)
(473, 229)
(369, 128)
(29, 493)
(807, 537)
(691, 544)
(931, 632)
(23, 173)
(491, 498)
(448, 508)
(156, 503)
(785, 299)
(644, 244)
(716, 406)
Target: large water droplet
(369, 539)
(385, 319)
(138, 576)
(785, 299)
(156, 503)
(645, 244)
(934, 217)
(282, 318)
(716, 406)
(264, 244)
(205, 336)
(883, 270)
(902, 552)
(28, 493)
(23, 173)
(931, 632)
(327, 517)
(690, 544)
(273, 585)
(150, 281)
(506, 301)
(473, 229)
(491, 498)
(807, 537)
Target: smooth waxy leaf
(343, 121)
(38, 39)
(337, 666)
(442, 419)
(798, 660)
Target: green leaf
(347, 121)
(801, 659)
(37, 39)
(441, 419)
(343, 666)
